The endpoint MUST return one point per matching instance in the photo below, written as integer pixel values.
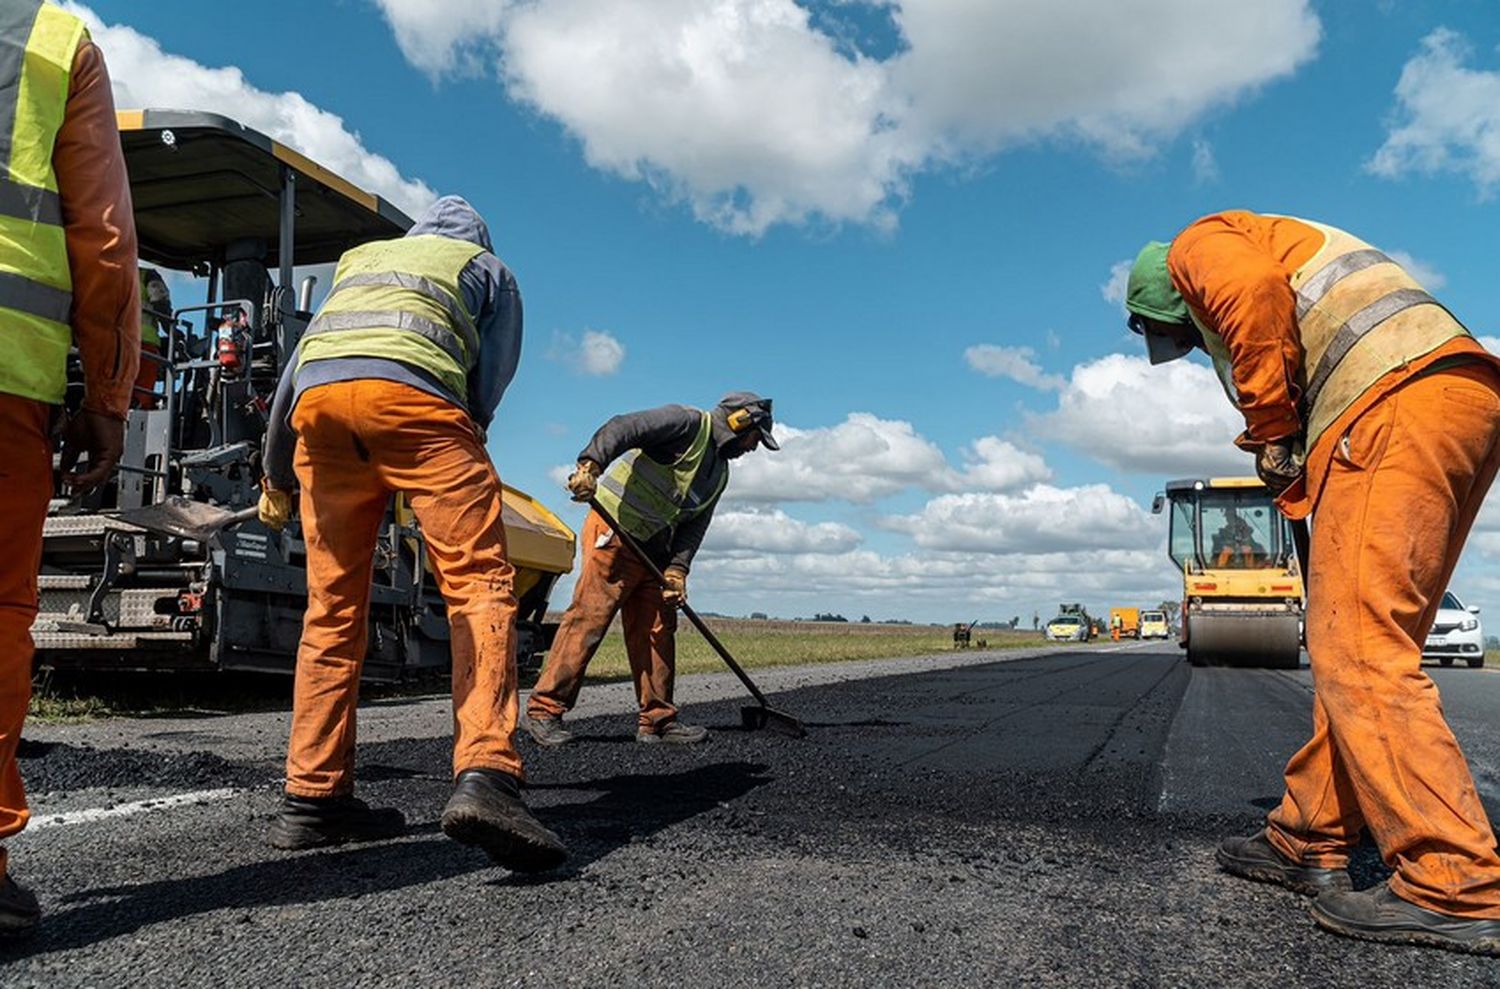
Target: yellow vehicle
(1242, 589)
(1154, 625)
(1124, 623)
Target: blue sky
(899, 219)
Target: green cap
(1151, 292)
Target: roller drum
(1259, 640)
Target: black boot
(1380, 915)
(486, 810)
(19, 912)
(1256, 858)
(547, 731)
(674, 732)
(312, 822)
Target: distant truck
(1154, 625)
(1124, 623)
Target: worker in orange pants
(389, 391)
(1370, 407)
(69, 263)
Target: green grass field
(759, 644)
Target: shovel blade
(184, 517)
(757, 718)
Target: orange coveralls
(100, 229)
(359, 442)
(1394, 486)
(612, 580)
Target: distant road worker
(69, 263)
(389, 391)
(1369, 405)
(156, 322)
(667, 469)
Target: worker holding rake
(667, 468)
(1370, 407)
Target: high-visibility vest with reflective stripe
(38, 42)
(150, 328)
(648, 498)
(1360, 315)
(401, 300)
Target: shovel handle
(713, 640)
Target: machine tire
(1476, 662)
(1445, 660)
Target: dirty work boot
(1256, 858)
(19, 911)
(312, 822)
(1380, 915)
(547, 731)
(672, 733)
(486, 810)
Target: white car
(1456, 633)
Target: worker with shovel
(1368, 405)
(68, 255)
(389, 391)
(667, 468)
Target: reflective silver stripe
(29, 202)
(1356, 327)
(1313, 290)
(24, 295)
(341, 322)
(462, 321)
(16, 23)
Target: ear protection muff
(740, 420)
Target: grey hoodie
(489, 291)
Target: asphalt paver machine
(222, 206)
(1242, 587)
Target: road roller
(1242, 595)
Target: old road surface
(1041, 819)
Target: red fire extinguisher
(230, 350)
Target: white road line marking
(93, 814)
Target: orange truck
(1124, 623)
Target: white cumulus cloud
(1042, 519)
(1205, 165)
(865, 458)
(1425, 274)
(1172, 419)
(144, 76)
(753, 115)
(595, 353)
(1115, 286)
(860, 459)
(1447, 116)
(1016, 363)
(749, 531)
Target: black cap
(760, 413)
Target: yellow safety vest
(151, 319)
(39, 44)
(648, 498)
(1360, 315)
(401, 300)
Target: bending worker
(69, 256)
(389, 392)
(1331, 349)
(672, 466)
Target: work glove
(99, 435)
(584, 481)
(674, 587)
(275, 507)
(1277, 466)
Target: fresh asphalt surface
(985, 819)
